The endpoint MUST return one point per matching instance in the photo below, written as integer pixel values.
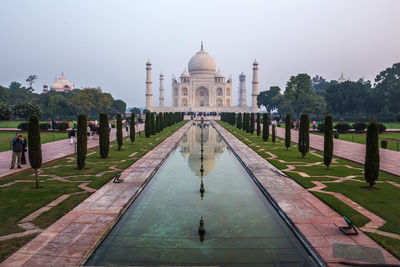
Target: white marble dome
(202, 62)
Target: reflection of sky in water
(161, 226)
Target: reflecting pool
(161, 227)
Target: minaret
(254, 92)
(149, 93)
(242, 90)
(161, 89)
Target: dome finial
(201, 45)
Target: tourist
(18, 147)
(23, 158)
(72, 136)
(314, 123)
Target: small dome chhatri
(219, 74)
(185, 74)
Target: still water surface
(161, 225)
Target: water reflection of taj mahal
(213, 146)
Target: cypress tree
(244, 121)
(265, 127)
(252, 123)
(273, 133)
(147, 125)
(287, 131)
(304, 136)
(120, 139)
(157, 130)
(328, 141)
(161, 121)
(258, 124)
(371, 165)
(104, 135)
(152, 124)
(81, 144)
(35, 147)
(239, 121)
(248, 123)
(132, 132)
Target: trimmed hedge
(104, 135)
(81, 147)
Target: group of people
(19, 149)
(296, 124)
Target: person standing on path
(18, 147)
(72, 136)
(23, 158)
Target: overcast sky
(107, 43)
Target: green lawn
(21, 199)
(13, 124)
(384, 201)
(46, 137)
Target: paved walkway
(50, 152)
(71, 239)
(316, 221)
(351, 151)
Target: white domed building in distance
(201, 88)
(59, 85)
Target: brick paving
(351, 151)
(71, 239)
(50, 152)
(316, 221)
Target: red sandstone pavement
(316, 221)
(50, 152)
(70, 240)
(350, 151)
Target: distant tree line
(19, 102)
(350, 100)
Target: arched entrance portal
(202, 97)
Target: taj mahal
(202, 88)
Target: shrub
(384, 144)
(321, 127)
(328, 141)
(25, 109)
(132, 130)
(120, 139)
(371, 165)
(287, 131)
(265, 127)
(104, 136)
(5, 112)
(44, 126)
(336, 135)
(62, 126)
(35, 147)
(359, 127)
(258, 124)
(81, 146)
(342, 127)
(112, 125)
(304, 136)
(23, 126)
(381, 128)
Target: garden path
(50, 152)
